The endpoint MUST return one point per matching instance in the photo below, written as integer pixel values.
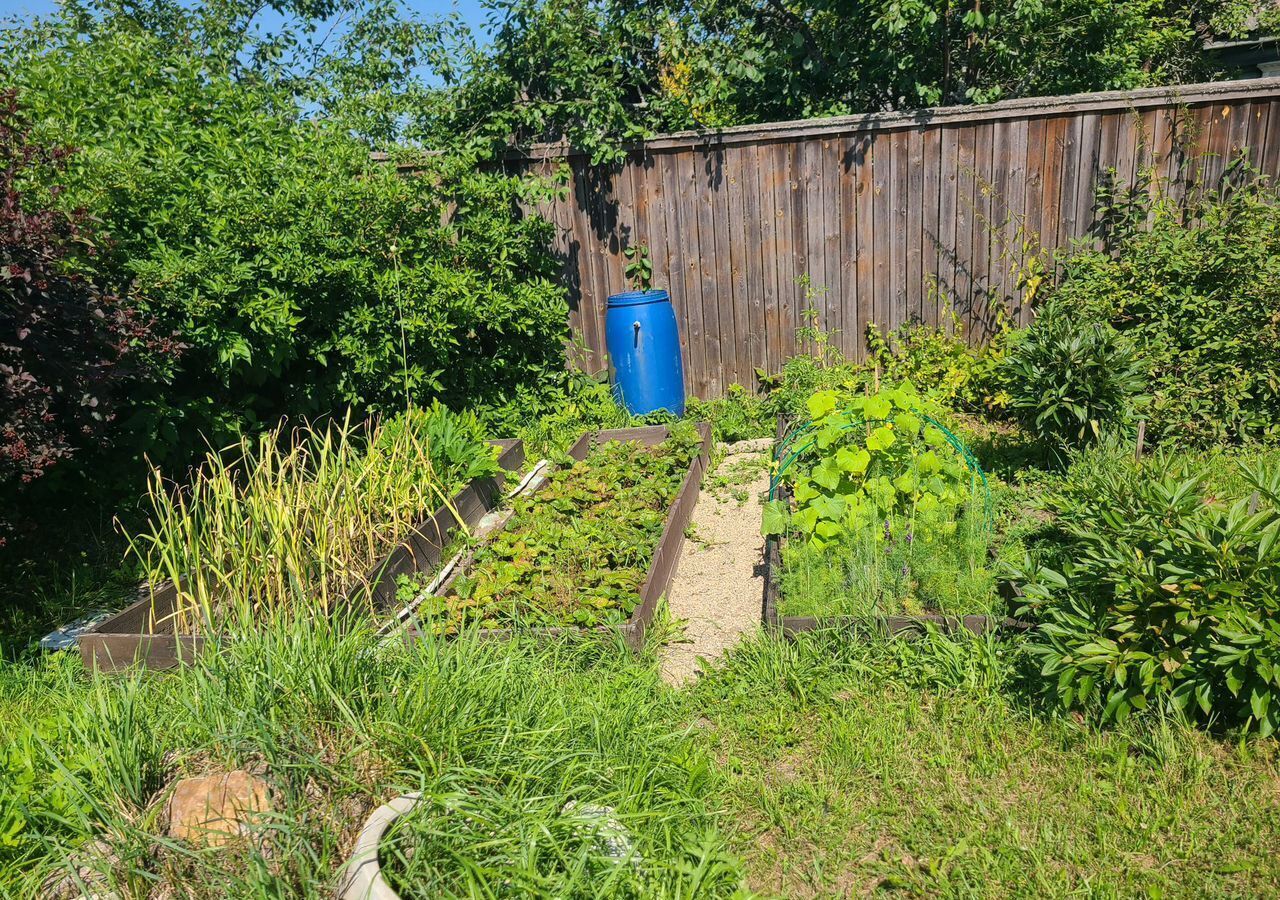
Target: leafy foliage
(550, 416)
(1072, 380)
(66, 349)
(454, 440)
(35, 796)
(1167, 597)
(869, 458)
(939, 359)
(1192, 281)
(576, 551)
(599, 73)
(304, 277)
(639, 268)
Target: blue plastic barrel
(644, 344)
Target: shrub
(550, 416)
(938, 360)
(738, 416)
(66, 348)
(1071, 380)
(1167, 597)
(1194, 285)
(304, 277)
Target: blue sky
(471, 12)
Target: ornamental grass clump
(297, 517)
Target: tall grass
(339, 723)
(295, 518)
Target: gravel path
(718, 587)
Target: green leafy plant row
(575, 552)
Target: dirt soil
(718, 589)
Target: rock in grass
(216, 810)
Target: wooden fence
(883, 218)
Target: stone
(216, 810)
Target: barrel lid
(638, 298)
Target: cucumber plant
(866, 459)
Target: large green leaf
(880, 438)
(878, 407)
(773, 518)
(827, 474)
(830, 508)
(821, 403)
(853, 461)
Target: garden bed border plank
(140, 634)
(666, 554)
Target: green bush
(938, 360)
(1070, 381)
(302, 276)
(1167, 597)
(1194, 286)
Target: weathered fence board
(892, 217)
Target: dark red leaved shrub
(66, 348)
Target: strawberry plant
(576, 552)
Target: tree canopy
(594, 72)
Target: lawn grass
(925, 767)
(808, 768)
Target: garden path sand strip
(719, 585)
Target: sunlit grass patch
(930, 766)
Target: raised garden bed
(142, 633)
(658, 572)
(890, 625)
